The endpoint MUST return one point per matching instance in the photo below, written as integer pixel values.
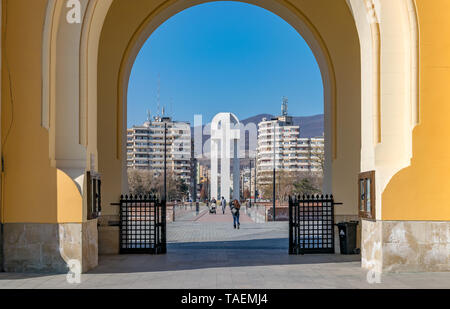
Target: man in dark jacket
(223, 203)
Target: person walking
(235, 208)
(223, 203)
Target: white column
(214, 165)
(225, 161)
(236, 169)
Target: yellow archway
(368, 52)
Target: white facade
(145, 147)
(225, 134)
(291, 153)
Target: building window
(366, 189)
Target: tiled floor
(211, 254)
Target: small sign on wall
(366, 189)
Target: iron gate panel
(142, 225)
(311, 224)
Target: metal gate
(311, 224)
(142, 225)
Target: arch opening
(341, 141)
(219, 104)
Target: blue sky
(224, 57)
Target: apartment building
(280, 145)
(145, 147)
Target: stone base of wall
(108, 240)
(33, 247)
(90, 245)
(406, 246)
(281, 214)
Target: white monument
(225, 133)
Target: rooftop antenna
(163, 111)
(284, 106)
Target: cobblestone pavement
(214, 255)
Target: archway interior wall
(395, 150)
(62, 98)
(390, 105)
(429, 170)
(92, 26)
(69, 153)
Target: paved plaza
(206, 252)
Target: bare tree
(288, 184)
(140, 182)
(143, 182)
(284, 183)
(308, 183)
(246, 194)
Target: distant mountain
(310, 126)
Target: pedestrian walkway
(219, 217)
(211, 255)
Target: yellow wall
(33, 191)
(29, 183)
(69, 199)
(421, 191)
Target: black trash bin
(347, 237)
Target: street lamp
(255, 182)
(274, 158)
(250, 185)
(165, 162)
(207, 188)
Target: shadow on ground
(220, 254)
(269, 244)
